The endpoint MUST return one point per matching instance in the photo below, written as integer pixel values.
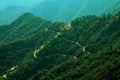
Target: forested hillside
(86, 48)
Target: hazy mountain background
(37, 46)
(56, 10)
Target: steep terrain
(88, 47)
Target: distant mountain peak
(26, 18)
(28, 14)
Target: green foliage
(62, 57)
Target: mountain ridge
(54, 51)
(61, 10)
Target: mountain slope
(23, 41)
(48, 51)
(23, 27)
(101, 58)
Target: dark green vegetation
(87, 48)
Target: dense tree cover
(101, 36)
(89, 50)
(103, 65)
